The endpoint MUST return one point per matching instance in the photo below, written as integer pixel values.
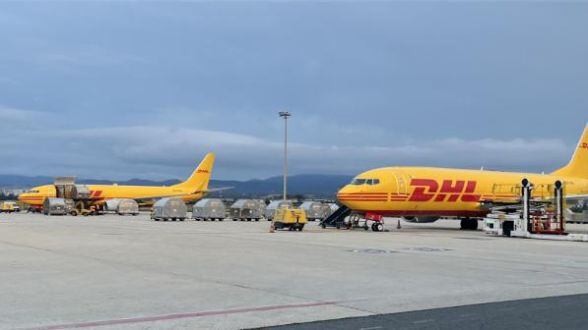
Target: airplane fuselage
(100, 193)
(428, 191)
(194, 188)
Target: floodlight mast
(285, 115)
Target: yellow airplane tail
(199, 179)
(578, 165)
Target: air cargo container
(169, 209)
(316, 210)
(209, 209)
(247, 209)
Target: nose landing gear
(377, 226)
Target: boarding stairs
(336, 218)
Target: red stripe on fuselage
(447, 213)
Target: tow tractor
(532, 218)
(290, 218)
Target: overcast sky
(129, 89)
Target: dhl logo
(584, 145)
(95, 193)
(451, 191)
(202, 171)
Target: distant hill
(318, 185)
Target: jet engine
(428, 219)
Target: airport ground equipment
(532, 218)
(577, 217)
(209, 209)
(270, 210)
(247, 209)
(367, 221)
(337, 218)
(123, 206)
(58, 206)
(289, 218)
(577, 212)
(9, 207)
(315, 210)
(65, 187)
(332, 208)
(169, 209)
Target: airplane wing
(218, 189)
(152, 199)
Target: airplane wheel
(365, 227)
(323, 225)
(379, 227)
(474, 224)
(469, 224)
(80, 205)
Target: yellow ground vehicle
(9, 207)
(291, 218)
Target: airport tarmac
(112, 272)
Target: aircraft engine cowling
(428, 219)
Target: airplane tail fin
(201, 175)
(578, 165)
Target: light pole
(285, 115)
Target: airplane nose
(342, 192)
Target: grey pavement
(112, 272)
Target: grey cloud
(133, 151)
(143, 89)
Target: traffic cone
(398, 225)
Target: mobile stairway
(336, 218)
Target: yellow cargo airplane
(424, 194)
(190, 190)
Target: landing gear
(377, 226)
(469, 224)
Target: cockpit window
(358, 182)
(369, 182)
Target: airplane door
(401, 183)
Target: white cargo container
(127, 207)
(247, 209)
(316, 210)
(55, 206)
(209, 209)
(122, 206)
(169, 209)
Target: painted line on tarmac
(167, 317)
